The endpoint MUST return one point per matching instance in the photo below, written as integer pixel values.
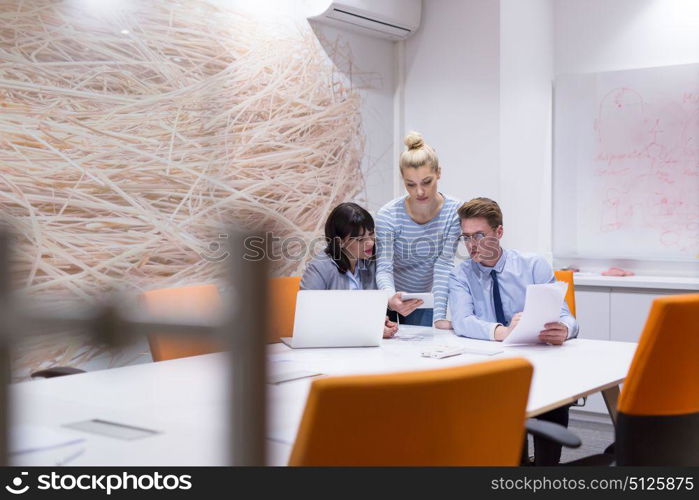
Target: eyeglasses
(475, 237)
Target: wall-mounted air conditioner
(392, 19)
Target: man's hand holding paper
(554, 333)
(540, 320)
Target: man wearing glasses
(487, 294)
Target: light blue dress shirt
(354, 281)
(471, 293)
(322, 273)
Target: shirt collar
(359, 266)
(499, 265)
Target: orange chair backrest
(205, 300)
(664, 375)
(281, 305)
(567, 276)
(466, 415)
(182, 302)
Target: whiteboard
(626, 164)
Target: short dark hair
(346, 219)
(482, 207)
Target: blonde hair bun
(418, 153)
(414, 140)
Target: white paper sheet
(414, 332)
(542, 305)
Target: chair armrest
(553, 432)
(56, 371)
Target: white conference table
(185, 400)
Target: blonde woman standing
(417, 237)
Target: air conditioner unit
(392, 19)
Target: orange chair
(204, 300)
(567, 276)
(658, 410)
(466, 415)
(184, 302)
(282, 305)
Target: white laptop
(338, 318)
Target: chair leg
(548, 453)
(525, 460)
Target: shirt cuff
(569, 327)
(570, 330)
(492, 330)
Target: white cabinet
(630, 310)
(592, 309)
(615, 313)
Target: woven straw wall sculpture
(129, 138)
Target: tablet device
(426, 297)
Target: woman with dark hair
(348, 262)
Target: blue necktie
(497, 301)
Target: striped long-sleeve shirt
(414, 257)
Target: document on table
(414, 332)
(542, 305)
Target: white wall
(478, 86)
(526, 71)
(602, 35)
(372, 73)
(452, 92)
